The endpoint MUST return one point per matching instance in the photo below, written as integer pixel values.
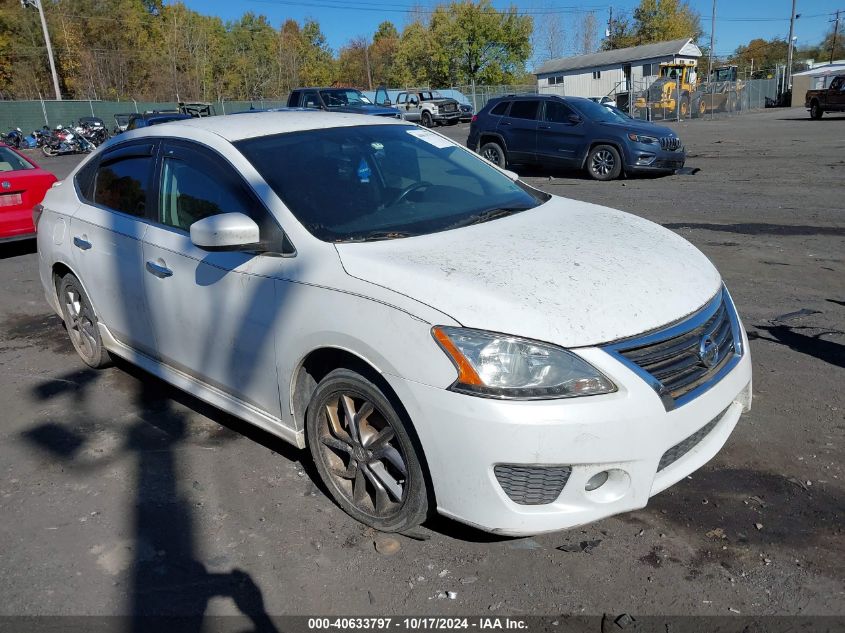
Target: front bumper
(627, 432)
(646, 158)
(446, 116)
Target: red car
(22, 186)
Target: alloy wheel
(603, 162)
(363, 455)
(80, 326)
(492, 154)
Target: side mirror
(574, 118)
(511, 174)
(386, 102)
(225, 232)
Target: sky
(737, 21)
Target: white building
(610, 72)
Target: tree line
(144, 49)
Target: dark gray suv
(572, 132)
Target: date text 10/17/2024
(416, 624)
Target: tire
(426, 119)
(81, 322)
(388, 493)
(495, 154)
(604, 163)
(47, 150)
(699, 108)
(816, 111)
(685, 107)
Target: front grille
(532, 485)
(668, 164)
(686, 358)
(449, 107)
(686, 445)
(670, 143)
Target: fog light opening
(597, 481)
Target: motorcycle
(66, 141)
(13, 138)
(94, 132)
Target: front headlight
(643, 138)
(502, 366)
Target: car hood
(642, 128)
(567, 272)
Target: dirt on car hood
(567, 272)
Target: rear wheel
(816, 111)
(495, 154)
(604, 163)
(81, 322)
(365, 453)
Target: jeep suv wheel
(604, 163)
(495, 154)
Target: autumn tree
(654, 21)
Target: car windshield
(595, 111)
(339, 98)
(10, 161)
(383, 181)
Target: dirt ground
(121, 495)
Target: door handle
(545, 127)
(504, 123)
(159, 271)
(81, 244)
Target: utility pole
(37, 4)
(788, 81)
(712, 41)
(367, 59)
(835, 31)
(610, 28)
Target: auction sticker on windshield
(431, 138)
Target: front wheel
(816, 111)
(604, 163)
(426, 119)
(365, 454)
(47, 150)
(495, 154)
(81, 322)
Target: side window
(196, 184)
(401, 98)
(836, 84)
(85, 180)
(310, 100)
(293, 100)
(557, 112)
(524, 109)
(122, 184)
(192, 190)
(500, 108)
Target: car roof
(253, 124)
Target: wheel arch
(613, 143)
(60, 269)
(491, 137)
(319, 362)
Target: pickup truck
(338, 100)
(428, 107)
(831, 99)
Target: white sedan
(438, 334)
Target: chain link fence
(32, 115)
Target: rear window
(10, 161)
(500, 108)
(524, 109)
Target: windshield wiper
(486, 216)
(374, 236)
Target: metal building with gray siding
(612, 72)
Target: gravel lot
(120, 495)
